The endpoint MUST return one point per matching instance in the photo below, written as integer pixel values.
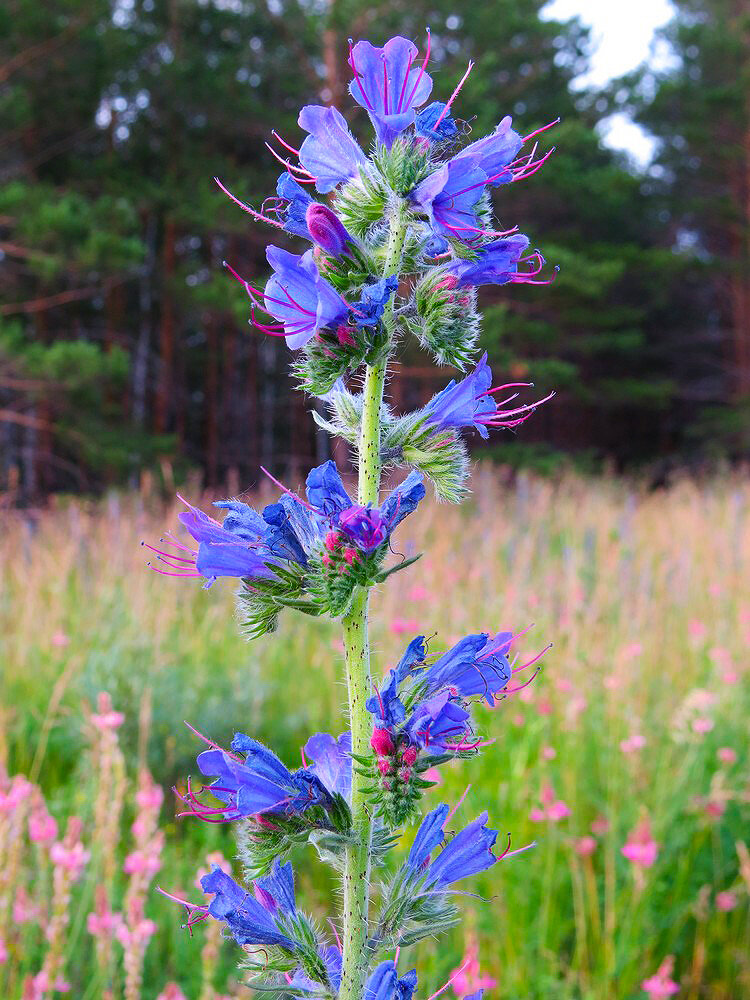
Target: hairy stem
(357, 649)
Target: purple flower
(429, 836)
(276, 891)
(384, 983)
(367, 528)
(496, 264)
(470, 403)
(494, 153)
(368, 310)
(438, 723)
(296, 202)
(299, 298)
(477, 664)
(253, 784)
(332, 761)
(327, 230)
(330, 153)
(434, 123)
(468, 853)
(388, 84)
(449, 197)
(249, 921)
(236, 548)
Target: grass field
(634, 735)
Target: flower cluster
(307, 554)
(400, 245)
(328, 301)
(422, 714)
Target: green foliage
(445, 319)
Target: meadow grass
(641, 706)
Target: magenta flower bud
(409, 756)
(384, 765)
(331, 541)
(381, 742)
(326, 229)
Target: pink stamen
(246, 208)
(169, 555)
(357, 77)
(509, 691)
(455, 809)
(455, 976)
(335, 934)
(454, 95)
(518, 850)
(421, 70)
(285, 489)
(403, 85)
(305, 176)
(304, 759)
(208, 742)
(505, 852)
(163, 572)
(169, 539)
(285, 144)
(530, 169)
(540, 130)
(534, 659)
(395, 956)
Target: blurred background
(616, 520)
(124, 345)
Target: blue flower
(429, 836)
(259, 783)
(496, 263)
(367, 528)
(332, 761)
(330, 153)
(296, 201)
(384, 983)
(464, 403)
(369, 308)
(276, 891)
(234, 549)
(299, 298)
(493, 153)
(470, 403)
(449, 197)
(468, 853)
(477, 664)
(249, 921)
(388, 84)
(438, 723)
(435, 123)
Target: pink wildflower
(727, 755)
(42, 827)
(171, 992)
(73, 858)
(600, 826)
(726, 901)
(633, 743)
(59, 639)
(418, 594)
(660, 985)
(640, 848)
(697, 630)
(585, 846)
(400, 626)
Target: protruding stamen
(454, 95)
(246, 208)
(540, 130)
(456, 807)
(422, 68)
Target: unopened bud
(409, 756)
(326, 229)
(381, 742)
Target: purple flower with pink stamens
(449, 197)
(389, 85)
(470, 404)
(299, 298)
(330, 154)
(252, 781)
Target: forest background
(124, 344)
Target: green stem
(356, 876)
